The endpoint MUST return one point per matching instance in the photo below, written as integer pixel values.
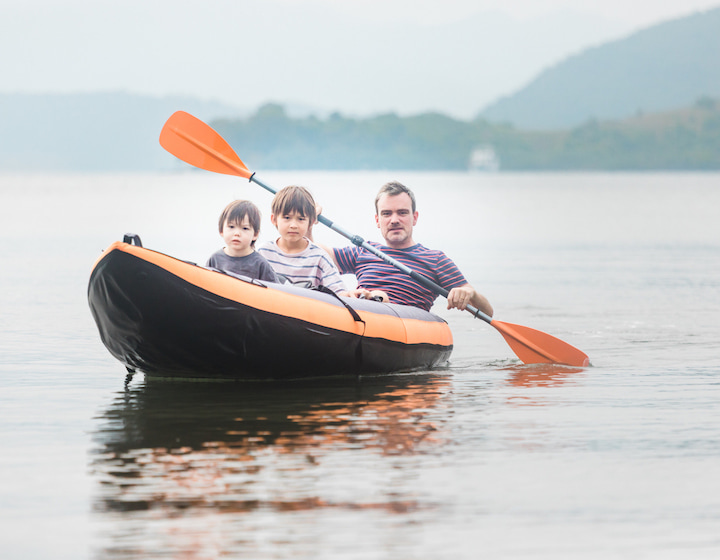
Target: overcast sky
(357, 57)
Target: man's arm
(324, 247)
(328, 250)
(462, 296)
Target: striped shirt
(311, 265)
(375, 274)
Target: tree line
(685, 139)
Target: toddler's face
(238, 237)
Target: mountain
(662, 67)
(92, 132)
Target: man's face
(396, 219)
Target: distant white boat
(484, 158)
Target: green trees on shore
(684, 139)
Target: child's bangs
(236, 212)
(297, 201)
(237, 215)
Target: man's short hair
(393, 188)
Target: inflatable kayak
(167, 317)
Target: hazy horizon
(359, 58)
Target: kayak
(170, 318)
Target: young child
(293, 255)
(239, 226)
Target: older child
(293, 255)
(239, 227)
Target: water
(485, 458)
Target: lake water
(483, 459)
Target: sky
(356, 57)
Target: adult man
(395, 215)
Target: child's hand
(318, 211)
(375, 295)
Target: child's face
(292, 226)
(238, 238)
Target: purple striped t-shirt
(375, 274)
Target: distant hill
(681, 139)
(666, 66)
(91, 132)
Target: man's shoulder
(419, 251)
(420, 248)
(415, 251)
(347, 248)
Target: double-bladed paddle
(196, 143)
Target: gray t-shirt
(253, 265)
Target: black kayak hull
(166, 317)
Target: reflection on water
(524, 378)
(165, 449)
(540, 375)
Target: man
(396, 215)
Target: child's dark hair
(294, 199)
(236, 211)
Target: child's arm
(330, 276)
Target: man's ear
(377, 220)
(415, 217)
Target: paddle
(194, 142)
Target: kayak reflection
(541, 375)
(170, 446)
(529, 382)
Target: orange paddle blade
(194, 142)
(536, 347)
